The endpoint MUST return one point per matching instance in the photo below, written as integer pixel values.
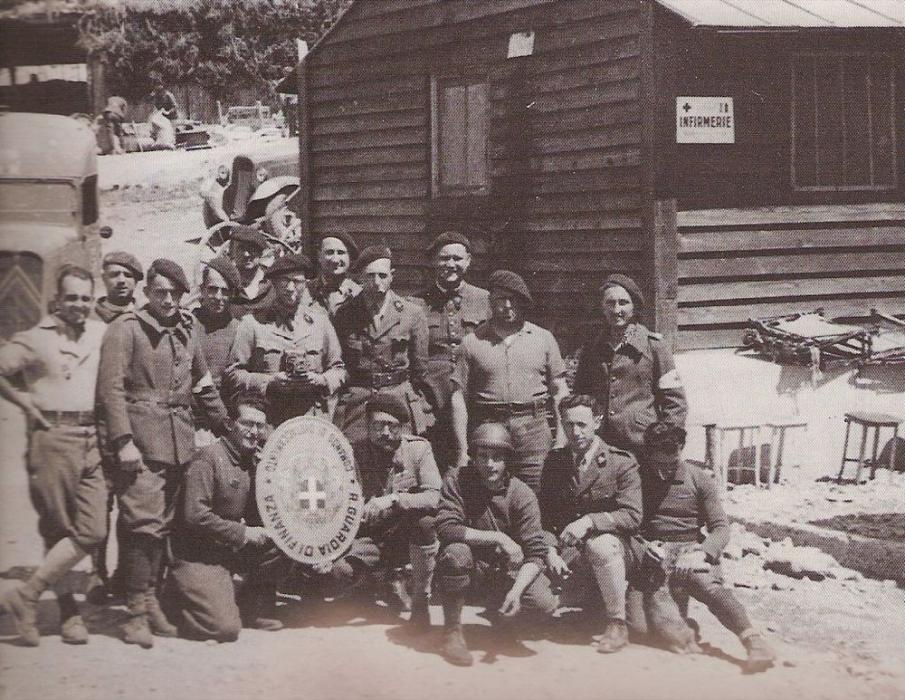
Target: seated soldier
(401, 486)
(680, 500)
(490, 530)
(590, 500)
(218, 532)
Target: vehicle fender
(270, 187)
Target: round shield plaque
(307, 490)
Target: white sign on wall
(705, 120)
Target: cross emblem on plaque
(686, 107)
(313, 496)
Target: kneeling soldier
(590, 500)
(401, 486)
(219, 532)
(490, 530)
(680, 499)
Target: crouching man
(401, 485)
(591, 503)
(680, 500)
(490, 530)
(218, 532)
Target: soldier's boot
(614, 637)
(157, 620)
(136, 630)
(760, 655)
(72, 626)
(454, 648)
(424, 561)
(22, 603)
(257, 607)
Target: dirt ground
(836, 638)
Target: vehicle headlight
(222, 173)
(262, 174)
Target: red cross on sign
(313, 496)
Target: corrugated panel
(769, 14)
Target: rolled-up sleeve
(16, 355)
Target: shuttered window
(843, 122)
(461, 124)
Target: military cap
(289, 264)
(121, 257)
(447, 238)
(172, 271)
(346, 239)
(372, 253)
(510, 282)
(251, 235)
(628, 284)
(228, 271)
(492, 435)
(385, 402)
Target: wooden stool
(869, 421)
(778, 429)
(717, 435)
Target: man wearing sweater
(681, 500)
(491, 538)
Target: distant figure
(108, 126)
(162, 131)
(165, 102)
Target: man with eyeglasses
(152, 367)
(219, 532)
(246, 249)
(57, 361)
(401, 486)
(333, 288)
(288, 352)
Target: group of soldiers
(483, 473)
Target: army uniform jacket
(676, 510)
(332, 299)
(608, 490)
(465, 502)
(636, 384)
(145, 384)
(216, 337)
(216, 497)
(450, 317)
(410, 472)
(264, 344)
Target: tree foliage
(213, 43)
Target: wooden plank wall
(566, 202)
(755, 70)
(728, 273)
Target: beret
(372, 253)
(289, 264)
(227, 270)
(628, 284)
(448, 237)
(249, 234)
(172, 271)
(346, 239)
(121, 257)
(510, 282)
(491, 435)
(385, 402)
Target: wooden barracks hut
(738, 157)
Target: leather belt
(379, 380)
(75, 418)
(511, 410)
(157, 402)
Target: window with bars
(843, 121)
(461, 127)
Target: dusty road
(836, 639)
